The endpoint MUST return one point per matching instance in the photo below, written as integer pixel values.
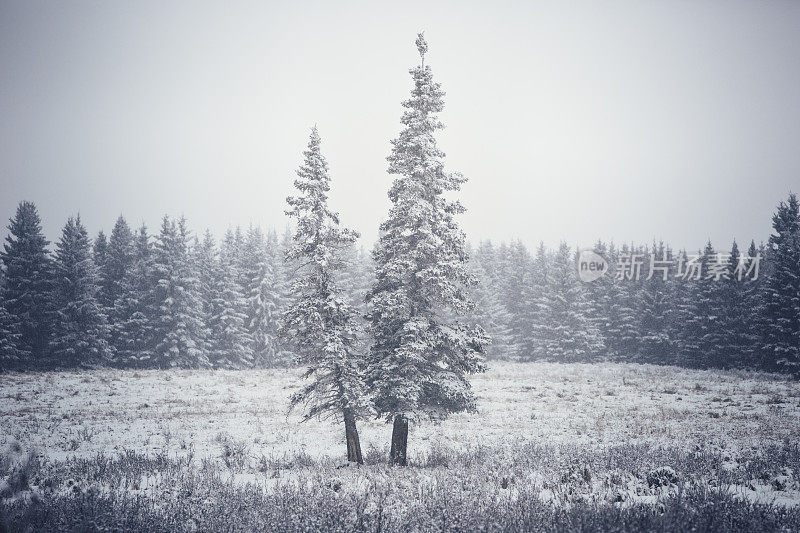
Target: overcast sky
(626, 120)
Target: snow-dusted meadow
(607, 434)
(81, 414)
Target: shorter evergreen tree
(319, 323)
(133, 331)
(782, 290)
(27, 273)
(80, 331)
(230, 343)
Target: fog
(624, 120)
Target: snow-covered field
(81, 414)
(616, 434)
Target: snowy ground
(83, 413)
(563, 433)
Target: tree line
(719, 315)
(172, 299)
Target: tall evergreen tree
(118, 259)
(100, 254)
(782, 290)
(178, 326)
(133, 329)
(26, 295)
(517, 297)
(704, 333)
(597, 295)
(420, 356)
(655, 309)
(206, 265)
(753, 305)
(535, 346)
(80, 331)
(319, 322)
(230, 343)
(491, 314)
(263, 305)
(623, 334)
(573, 337)
(736, 351)
(266, 303)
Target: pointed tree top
(422, 45)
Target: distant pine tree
(597, 296)
(133, 335)
(491, 314)
(356, 278)
(517, 298)
(573, 337)
(535, 346)
(80, 331)
(205, 262)
(623, 335)
(266, 303)
(263, 304)
(230, 343)
(26, 296)
(737, 349)
(753, 305)
(655, 311)
(178, 326)
(118, 260)
(99, 257)
(704, 330)
(782, 290)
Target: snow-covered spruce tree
(26, 295)
(491, 314)
(118, 260)
(266, 302)
(133, 328)
(319, 323)
(623, 331)
(421, 355)
(99, 257)
(518, 289)
(539, 315)
(230, 344)
(573, 337)
(205, 262)
(177, 322)
(782, 291)
(259, 271)
(80, 331)
(263, 305)
(596, 294)
(703, 338)
(655, 310)
(753, 304)
(250, 258)
(739, 339)
(356, 279)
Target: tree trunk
(351, 434)
(399, 441)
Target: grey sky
(632, 120)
